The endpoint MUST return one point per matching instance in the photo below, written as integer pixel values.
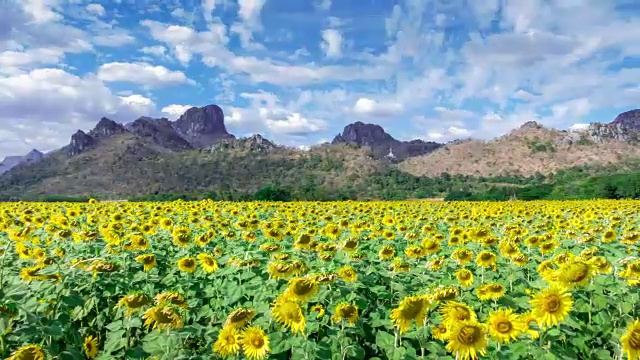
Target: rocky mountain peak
(254, 143)
(629, 119)
(381, 143)
(364, 134)
(80, 142)
(161, 131)
(106, 128)
(202, 126)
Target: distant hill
(12, 161)
(532, 149)
(195, 153)
(381, 143)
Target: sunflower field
(304, 280)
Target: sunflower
(171, 298)
(386, 252)
(288, 313)
(133, 302)
(551, 305)
(630, 341)
(28, 352)
(490, 291)
(148, 261)
(228, 342)
(207, 262)
(462, 255)
(162, 317)
(454, 312)
(279, 270)
(301, 289)
(303, 242)
(600, 264)
(414, 252)
(527, 319)
(574, 273)
(465, 277)
(31, 273)
(255, 343)
(504, 325)
(467, 340)
(411, 308)
(440, 332)
(486, 259)
(430, 246)
(240, 317)
(443, 293)
(345, 311)
(318, 308)
(187, 264)
(348, 274)
(90, 346)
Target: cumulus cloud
(96, 9)
(42, 108)
(280, 121)
(331, 43)
(142, 73)
(175, 110)
(369, 107)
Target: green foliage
(272, 193)
(536, 146)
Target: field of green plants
(309, 280)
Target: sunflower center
(577, 272)
(412, 309)
(257, 342)
(468, 335)
(464, 275)
(504, 326)
(164, 316)
(553, 304)
(188, 263)
(303, 287)
(230, 339)
(348, 311)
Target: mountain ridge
(150, 155)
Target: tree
(272, 193)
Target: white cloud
(156, 50)
(369, 107)
(96, 9)
(142, 73)
(282, 122)
(249, 11)
(175, 110)
(42, 108)
(42, 11)
(323, 5)
(113, 39)
(331, 43)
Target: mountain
(629, 119)
(198, 127)
(196, 154)
(531, 149)
(12, 161)
(381, 143)
(202, 126)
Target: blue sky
(299, 71)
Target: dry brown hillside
(524, 151)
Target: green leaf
(115, 341)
